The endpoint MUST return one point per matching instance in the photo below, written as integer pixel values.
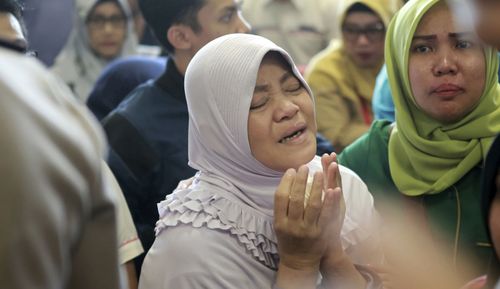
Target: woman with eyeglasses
(343, 75)
(102, 32)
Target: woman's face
(281, 124)
(107, 28)
(447, 67)
(363, 35)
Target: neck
(181, 60)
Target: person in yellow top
(342, 77)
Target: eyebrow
(370, 24)
(265, 87)
(451, 35)
(233, 7)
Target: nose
(286, 109)
(363, 39)
(108, 27)
(243, 25)
(445, 64)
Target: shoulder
(326, 62)
(374, 141)
(185, 257)
(354, 189)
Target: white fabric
(303, 28)
(129, 245)
(77, 64)
(57, 222)
(233, 193)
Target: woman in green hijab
(427, 165)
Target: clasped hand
(308, 231)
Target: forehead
(106, 8)
(361, 18)
(275, 59)
(215, 6)
(10, 28)
(438, 19)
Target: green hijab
(425, 156)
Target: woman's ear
(178, 36)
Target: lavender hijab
(220, 81)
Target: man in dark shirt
(148, 132)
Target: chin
(306, 155)
(295, 160)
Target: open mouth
(292, 136)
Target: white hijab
(77, 64)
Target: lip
(447, 90)
(301, 126)
(364, 55)
(108, 44)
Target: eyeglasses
(373, 32)
(98, 21)
(17, 47)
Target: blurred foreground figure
(57, 220)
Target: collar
(172, 81)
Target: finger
(296, 202)
(331, 176)
(313, 208)
(334, 178)
(282, 195)
(338, 177)
(325, 161)
(328, 210)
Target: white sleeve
(362, 224)
(129, 245)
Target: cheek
(307, 108)
(93, 37)
(349, 46)
(257, 132)
(418, 82)
(477, 74)
(380, 48)
(122, 34)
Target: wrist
(300, 263)
(338, 271)
(292, 277)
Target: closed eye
(293, 86)
(261, 102)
